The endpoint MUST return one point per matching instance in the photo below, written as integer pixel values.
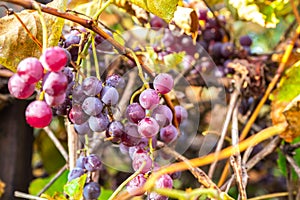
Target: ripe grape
(202, 14)
(149, 99)
(115, 130)
(135, 112)
(92, 163)
(131, 137)
(99, 123)
(80, 162)
(73, 40)
(91, 86)
(38, 114)
(139, 159)
(115, 81)
(18, 88)
(69, 74)
(168, 134)
(163, 83)
(109, 95)
(148, 127)
(54, 59)
(30, 70)
(175, 175)
(181, 113)
(135, 184)
(78, 95)
(163, 115)
(77, 115)
(55, 84)
(227, 49)
(245, 40)
(91, 191)
(55, 100)
(75, 173)
(83, 129)
(92, 106)
(165, 181)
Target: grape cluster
(51, 70)
(87, 164)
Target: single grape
(227, 49)
(116, 81)
(80, 162)
(55, 84)
(115, 130)
(77, 115)
(163, 83)
(55, 100)
(91, 191)
(181, 113)
(30, 70)
(18, 88)
(163, 115)
(149, 99)
(92, 106)
(139, 159)
(135, 184)
(135, 112)
(83, 129)
(245, 40)
(38, 114)
(92, 163)
(148, 127)
(215, 49)
(134, 149)
(91, 86)
(54, 59)
(78, 95)
(165, 181)
(212, 34)
(168, 134)
(75, 173)
(109, 95)
(131, 137)
(98, 123)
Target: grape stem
(95, 57)
(103, 7)
(116, 192)
(44, 27)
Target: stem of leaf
(103, 7)
(116, 192)
(44, 27)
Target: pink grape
(139, 159)
(54, 59)
(165, 181)
(149, 99)
(131, 137)
(135, 184)
(135, 112)
(18, 88)
(55, 100)
(38, 114)
(163, 115)
(55, 84)
(168, 134)
(77, 115)
(30, 70)
(148, 127)
(163, 83)
(181, 113)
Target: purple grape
(30, 70)
(92, 163)
(168, 134)
(163, 83)
(148, 127)
(78, 96)
(91, 191)
(212, 34)
(116, 81)
(135, 184)
(165, 181)
(80, 162)
(71, 43)
(139, 159)
(55, 84)
(83, 129)
(123, 149)
(202, 14)
(135, 112)
(245, 40)
(75, 173)
(109, 95)
(163, 115)
(216, 49)
(227, 49)
(69, 74)
(77, 115)
(116, 130)
(63, 108)
(149, 99)
(175, 175)
(91, 86)
(168, 38)
(99, 123)
(131, 137)
(181, 113)
(92, 106)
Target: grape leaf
(74, 188)
(37, 184)
(15, 43)
(105, 194)
(164, 9)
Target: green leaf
(56, 196)
(281, 162)
(39, 183)
(162, 8)
(105, 194)
(289, 84)
(173, 60)
(16, 44)
(74, 188)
